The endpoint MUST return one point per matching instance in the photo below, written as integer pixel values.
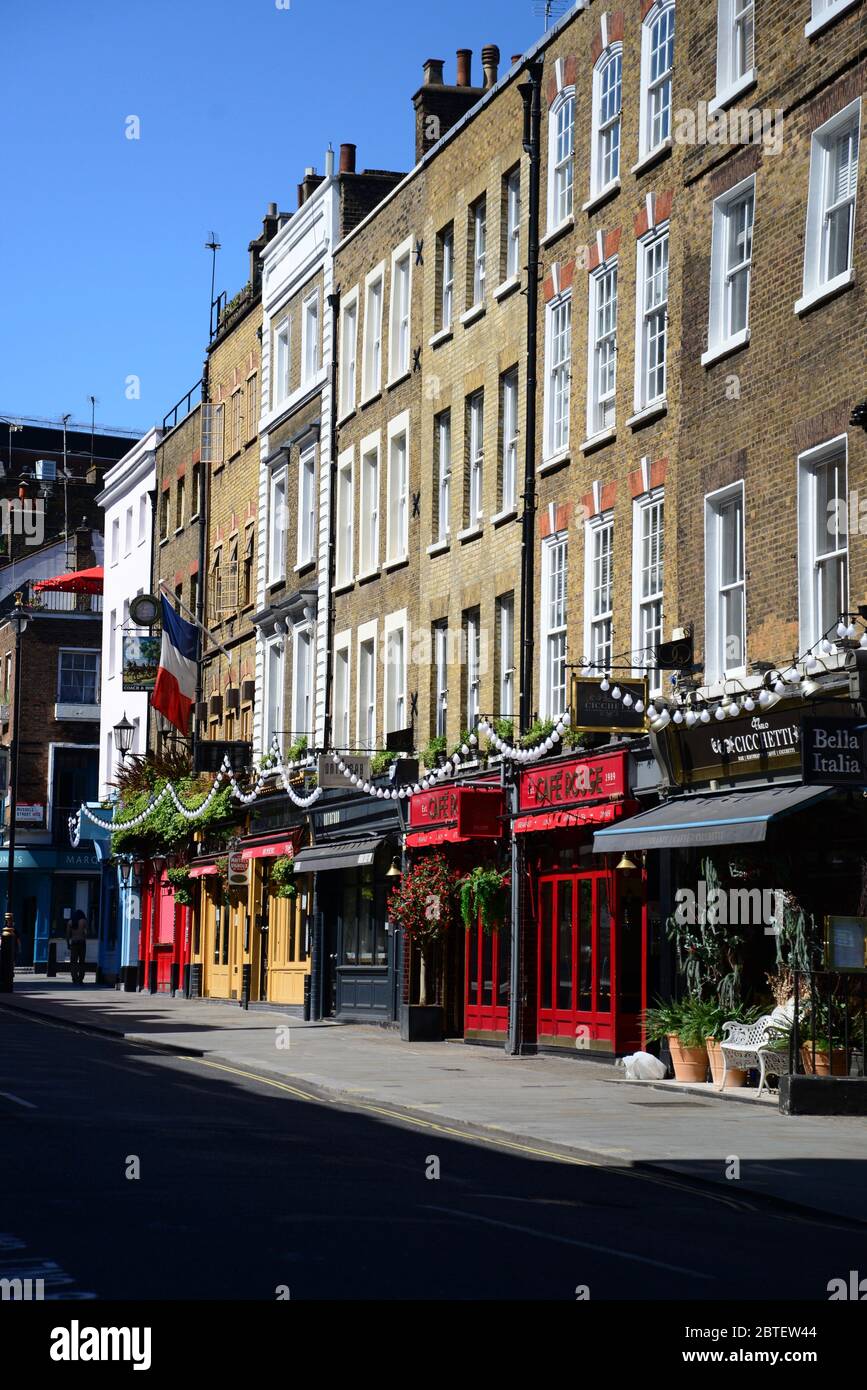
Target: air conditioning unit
(46, 470)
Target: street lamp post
(18, 618)
(124, 733)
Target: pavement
(569, 1105)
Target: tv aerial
(551, 9)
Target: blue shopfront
(49, 886)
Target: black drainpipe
(531, 94)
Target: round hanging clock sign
(144, 610)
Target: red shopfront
(469, 824)
(165, 934)
(589, 952)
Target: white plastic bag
(642, 1066)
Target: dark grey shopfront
(356, 955)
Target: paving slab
(589, 1107)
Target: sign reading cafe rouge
(569, 784)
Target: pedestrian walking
(76, 940)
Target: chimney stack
(516, 58)
(465, 67)
(490, 63)
(433, 72)
(347, 159)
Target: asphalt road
(244, 1189)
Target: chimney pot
(490, 63)
(516, 58)
(433, 72)
(465, 67)
(347, 159)
(272, 209)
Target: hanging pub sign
(237, 870)
(141, 657)
(846, 943)
(834, 752)
(594, 711)
(210, 753)
(330, 776)
(399, 740)
(560, 785)
(755, 743)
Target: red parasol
(77, 582)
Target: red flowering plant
(423, 906)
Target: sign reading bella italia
(755, 743)
(834, 752)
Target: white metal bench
(761, 1044)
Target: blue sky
(103, 272)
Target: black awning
(350, 854)
(720, 818)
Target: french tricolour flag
(174, 692)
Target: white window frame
(642, 507)
(818, 284)
(475, 458)
(400, 310)
(600, 179)
(721, 338)
(601, 615)
(443, 445)
(396, 639)
(662, 11)
(371, 368)
(365, 735)
(349, 353)
(115, 537)
(447, 284)
(303, 641)
(513, 223)
(599, 345)
(306, 534)
(369, 506)
(554, 641)
(80, 651)
(479, 212)
(282, 359)
(509, 405)
(112, 644)
(715, 659)
(276, 533)
(341, 731)
(345, 528)
(311, 333)
(558, 379)
(809, 570)
(397, 490)
(561, 160)
(643, 398)
(473, 636)
(143, 513)
(441, 677)
(273, 708)
(824, 12)
(506, 655)
(733, 75)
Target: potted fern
(484, 896)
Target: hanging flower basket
(283, 877)
(484, 894)
(182, 884)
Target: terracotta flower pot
(690, 1063)
(827, 1063)
(734, 1075)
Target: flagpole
(173, 598)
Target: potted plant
(684, 1025)
(822, 1032)
(484, 894)
(717, 1016)
(282, 876)
(423, 907)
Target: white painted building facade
(129, 523)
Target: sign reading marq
(330, 776)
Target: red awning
(443, 834)
(569, 820)
(275, 850)
(199, 870)
(76, 582)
